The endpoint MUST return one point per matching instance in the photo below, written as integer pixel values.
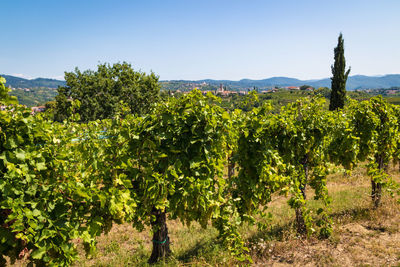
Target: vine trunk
(301, 225)
(376, 193)
(161, 243)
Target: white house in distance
(38, 109)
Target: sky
(199, 39)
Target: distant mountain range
(17, 82)
(354, 82)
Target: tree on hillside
(339, 77)
(305, 87)
(323, 91)
(5, 98)
(101, 92)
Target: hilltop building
(38, 109)
(220, 89)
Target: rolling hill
(353, 83)
(17, 82)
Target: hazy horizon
(317, 79)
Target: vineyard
(188, 160)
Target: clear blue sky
(196, 39)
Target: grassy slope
(34, 97)
(361, 237)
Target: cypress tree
(339, 78)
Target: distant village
(23, 89)
(224, 91)
(221, 91)
(29, 92)
(34, 109)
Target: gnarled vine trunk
(300, 223)
(376, 193)
(161, 248)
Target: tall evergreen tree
(339, 78)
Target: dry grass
(362, 236)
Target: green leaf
(38, 253)
(20, 154)
(41, 166)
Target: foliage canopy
(101, 92)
